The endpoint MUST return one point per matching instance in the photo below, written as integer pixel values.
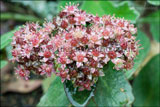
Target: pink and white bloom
(80, 58)
(78, 44)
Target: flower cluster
(80, 43)
(33, 49)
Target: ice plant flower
(80, 43)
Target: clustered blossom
(80, 43)
(33, 49)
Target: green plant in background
(154, 2)
(146, 84)
(114, 88)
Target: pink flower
(78, 44)
(96, 54)
(80, 58)
(71, 9)
(22, 72)
(82, 18)
(47, 69)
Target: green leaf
(146, 85)
(105, 7)
(55, 96)
(154, 2)
(144, 41)
(19, 17)
(9, 52)
(7, 38)
(91, 103)
(94, 7)
(153, 20)
(47, 82)
(113, 89)
(154, 28)
(43, 8)
(77, 98)
(3, 63)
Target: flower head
(79, 42)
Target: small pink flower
(71, 9)
(95, 38)
(47, 69)
(81, 18)
(119, 63)
(80, 57)
(22, 72)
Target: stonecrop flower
(79, 43)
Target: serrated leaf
(77, 98)
(7, 38)
(3, 63)
(113, 89)
(146, 85)
(144, 41)
(105, 7)
(154, 2)
(55, 96)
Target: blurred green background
(144, 76)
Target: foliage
(47, 82)
(113, 89)
(9, 52)
(106, 7)
(154, 2)
(7, 38)
(55, 96)
(154, 22)
(43, 8)
(146, 84)
(3, 63)
(75, 96)
(19, 17)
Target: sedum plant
(76, 46)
